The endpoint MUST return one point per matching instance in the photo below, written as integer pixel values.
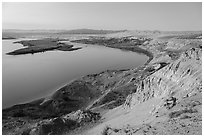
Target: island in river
(163, 96)
(42, 45)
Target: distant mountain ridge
(90, 31)
(74, 31)
(15, 33)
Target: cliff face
(180, 78)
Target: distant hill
(90, 31)
(74, 31)
(23, 33)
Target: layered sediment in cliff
(180, 78)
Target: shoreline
(133, 46)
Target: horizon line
(97, 29)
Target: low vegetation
(176, 114)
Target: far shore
(8, 38)
(42, 45)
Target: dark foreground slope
(161, 97)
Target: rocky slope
(178, 87)
(161, 97)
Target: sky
(186, 16)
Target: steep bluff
(181, 78)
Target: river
(32, 76)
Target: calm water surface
(32, 76)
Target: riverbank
(8, 38)
(150, 88)
(126, 43)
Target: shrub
(178, 113)
(19, 113)
(185, 117)
(105, 130)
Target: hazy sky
(141, 16)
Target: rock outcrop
(60, 125)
